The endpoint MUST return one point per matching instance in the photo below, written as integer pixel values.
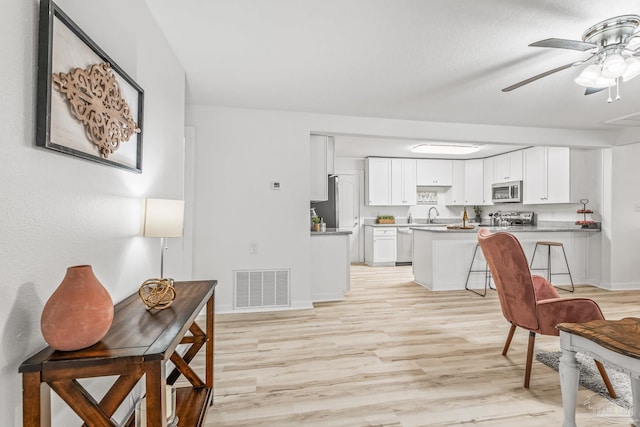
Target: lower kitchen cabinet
(330, 266)
(380, 246)
(441, 259)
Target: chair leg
(527, 371)
(509, 338)
(606, 380)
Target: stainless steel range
(513, 218)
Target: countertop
(331, 232)
(511, 229)
(405, 224)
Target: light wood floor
(392, 354)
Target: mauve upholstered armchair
(531, 302)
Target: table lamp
(163, 218)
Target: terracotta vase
(79, 312)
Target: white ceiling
(429, 60)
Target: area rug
(590, 377)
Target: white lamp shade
(603, 82)
(589, 76)
(613, 66)
(633, 69)
(163, 218)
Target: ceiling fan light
(633, 44)
(633, 69)
(589, 76)
(613, 66)
(603, 82)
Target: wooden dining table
(615, 343)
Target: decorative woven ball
(157, 293)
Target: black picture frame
(63, 46)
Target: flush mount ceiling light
(613, 44)
(444, 149)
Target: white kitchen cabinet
(390, 181)
(473, 182)
(322, 151)
(380, 247)
(378, 181)
(434, 172)
(455, 195)
(547, 175)
(403, 182)
(330, 266)
(468, 178)
(487, 180)
(507, 167)
(441, 260)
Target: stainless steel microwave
(507, 192)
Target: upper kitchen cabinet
(403, 182)
(434, 172)
(547, 175)
(487, 181)
(468, 183)
(390, 182)
(378, 181)
(507, 167)
(473, 182)
(322, 151)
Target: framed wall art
(87, 105)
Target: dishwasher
(404, 242)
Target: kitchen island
(442, 256)
(330, 264)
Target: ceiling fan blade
(592, 90)
(539, 76)
(564, 44)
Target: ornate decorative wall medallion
(95, 100)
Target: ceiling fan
(613, 45)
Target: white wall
(239, 154)
(57, 210)
(622, 233)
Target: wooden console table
(138, 343)
(616, 343)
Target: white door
(349, 210)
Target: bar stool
(487, 275)
(548, 268)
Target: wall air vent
(628, 120)
(261, 288)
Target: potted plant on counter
(478, 212)
(316, 222)
(386, 219)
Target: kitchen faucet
(429, 220)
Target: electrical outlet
(253, 247)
